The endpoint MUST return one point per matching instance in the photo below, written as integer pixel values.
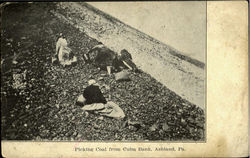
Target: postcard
(124, 79)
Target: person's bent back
(93, 94)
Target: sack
(116, 112)
(109, 109)
(94, 106)
(122, 76)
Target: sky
(181, 25)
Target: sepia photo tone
(78, 71)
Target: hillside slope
(38, 98)
(183, 75)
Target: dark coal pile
(38, 98)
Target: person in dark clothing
(125, 60)
(86, 56)
(93, 94)
(103, 56)
(125, 55)
(117, 64)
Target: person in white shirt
(63, 51)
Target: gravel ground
(184, 76)
(38, 98)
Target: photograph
(104, 71)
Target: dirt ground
(38, 98)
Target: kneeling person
(93, 94)
(104, 57)
(63, 52)
(93, 100)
